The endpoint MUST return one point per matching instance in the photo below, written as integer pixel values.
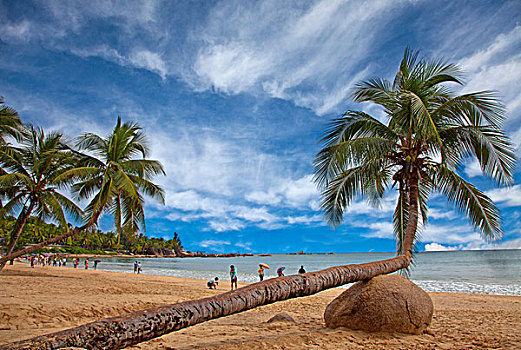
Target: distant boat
(264, 254)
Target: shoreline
(41, 300)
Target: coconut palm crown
(112, 176)
(32, 180)
(428, 135)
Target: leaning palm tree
(32, 181)
(429, 132)
(112, 178)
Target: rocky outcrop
(388, 303)
(160, 252)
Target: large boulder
(389, 303)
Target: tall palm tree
(110, 175)
(32, 181)
(428, 134)
(110, 169)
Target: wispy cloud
(294, 48)
(507, 196)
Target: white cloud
(150, 61)
(475, 245)
(292, 48)
(255, 214)
(379, 229)
(221, 225)
(498, 67)
(436, 213)
(210, 243)
(303, 219)
(507, 196)
(244, 245)
(20, 31)
(473, 169)
(436, 247)
(448, 234)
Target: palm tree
(10, 122)
(10, 126)
(111, 170)
(428, 134)
(113, 177)
(32, 181)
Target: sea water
(484, 272)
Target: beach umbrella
(264, 266)
(98, 261)
(282, 268)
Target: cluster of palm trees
(39, 173)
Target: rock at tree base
(389, 303)
(282, 317)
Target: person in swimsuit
(233, 276)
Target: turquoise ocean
(484, 272)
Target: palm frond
(481, 210)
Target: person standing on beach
(86, 264)
(135, 266)
(96, 264)
(261, 272)
(139, 268)
(301, 270)
(233, 276)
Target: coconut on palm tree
(112, 175)
(31, 184)
(428, 133)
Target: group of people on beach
(54, 260)
(46, 260)
(213, 283)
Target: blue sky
(235, 94)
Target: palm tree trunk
(412, 224)
(17, 230)
(122, 331)
(32, 248)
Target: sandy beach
(40, 300)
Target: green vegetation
(111, 173)
(90, 241)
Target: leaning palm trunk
(19, 225)
(32, 248)
(122, 331)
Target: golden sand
(40, 300)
